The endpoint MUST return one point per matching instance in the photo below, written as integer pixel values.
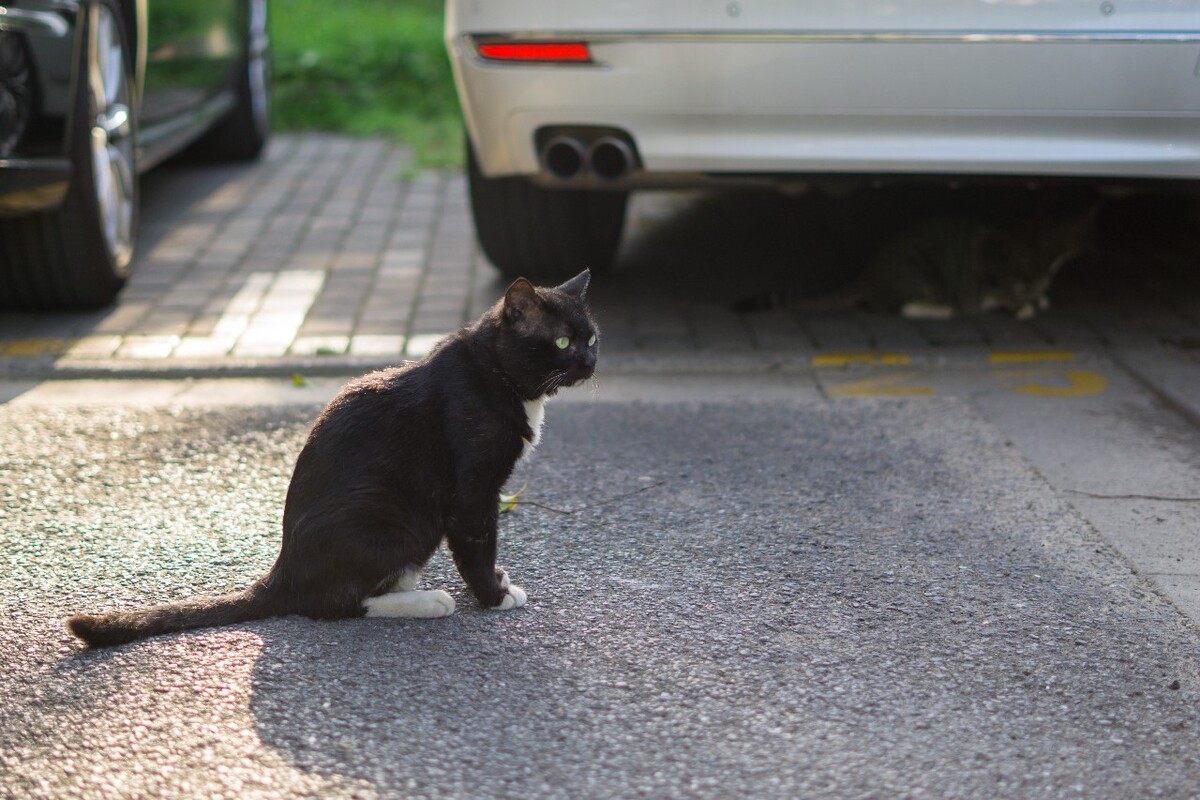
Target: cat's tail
(106, 630)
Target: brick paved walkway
(332, 254)
(322, 249)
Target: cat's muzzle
(579, 375)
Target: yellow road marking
(1032, 357)
(892, 385)
(871, 359)
(25, 348)
(1080, 383)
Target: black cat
(400, 460)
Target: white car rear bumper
(705, 104)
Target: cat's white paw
(427, 604)
(514, 599)
(502, 574)
(436, 603)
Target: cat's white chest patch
(535, 414)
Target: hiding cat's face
(1017, 268)
(550, 339)
(1060, 228)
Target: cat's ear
(577, 286)
(520, 299)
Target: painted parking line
(861, 359)
(1035, 373)
(1052, 383)
(33, 348)
(1030, 357)
(891, 385)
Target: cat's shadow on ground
(385, 704)
(412, 703)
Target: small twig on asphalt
(605, 502)
(1157, 498)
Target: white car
(571, 104)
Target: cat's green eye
(592, 341)
(562, 342)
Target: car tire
(242, 133)
(545, 235)
(79, 254)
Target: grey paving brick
(203, 347)
(777, 329)
(202, 324)
(95, 347)
(836, 331)
(140, 347)
(315, 345)
(717, 329)
(123, 317)
(436, 323)
(1004, 331)
(1063, 330)
(328, 325)
(387, 345)
(378, 327)
(165, 321)
(951, 333)
(890, 332)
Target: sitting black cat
(400, 460)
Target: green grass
(367, 68)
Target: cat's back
(382, 393)
(928, 245)
(403, 406)
(382, 431)
(927, 262)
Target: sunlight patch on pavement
(270, 326)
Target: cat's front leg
(473, 545)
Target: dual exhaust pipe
(607, 158)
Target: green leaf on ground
(509, 501)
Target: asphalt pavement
(887, 601)
(769, 553)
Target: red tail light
(560, 52)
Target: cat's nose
(588, 359)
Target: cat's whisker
(554, 381)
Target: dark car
(95, 92)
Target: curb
(620, 362)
